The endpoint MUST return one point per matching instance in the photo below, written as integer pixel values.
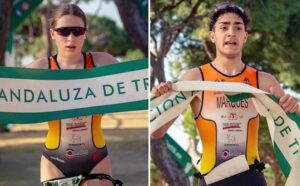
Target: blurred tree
(132, 55)
(155, 176)
(104, 35)
(272, 45)
(135, 24)
(171, 21)
(5, 12)
(165, 163)
(28, 39)
(44, 15)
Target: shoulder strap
(53, 63)
(89, 62)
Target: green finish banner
(21, 10)
(143, 8)
(37, 95)
(283, 127)
(180, 156)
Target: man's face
(229, 35)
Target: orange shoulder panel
(53, 63)
(89, 60)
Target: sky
(107, 9)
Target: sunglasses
(66, 31)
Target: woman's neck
(67, 62)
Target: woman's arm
(41, 63)
(103, 58)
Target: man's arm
(158, 90)
(268, 83)
(165, 87)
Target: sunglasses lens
(78, 31)
(66, 31)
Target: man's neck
(228, 66)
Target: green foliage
(33, 48)
(265, 139)
(143, 8)
(188, 48)
(269, 175)
(189, 124)
(104, 35)
(156, 178)
(190, 55)
(27, 38)
(272, 45)
(132, 55)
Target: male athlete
(228, 129)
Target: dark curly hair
(227, 7)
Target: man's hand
(288, 103)
(162, 88)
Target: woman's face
(64, 35)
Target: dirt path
(126, 136)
